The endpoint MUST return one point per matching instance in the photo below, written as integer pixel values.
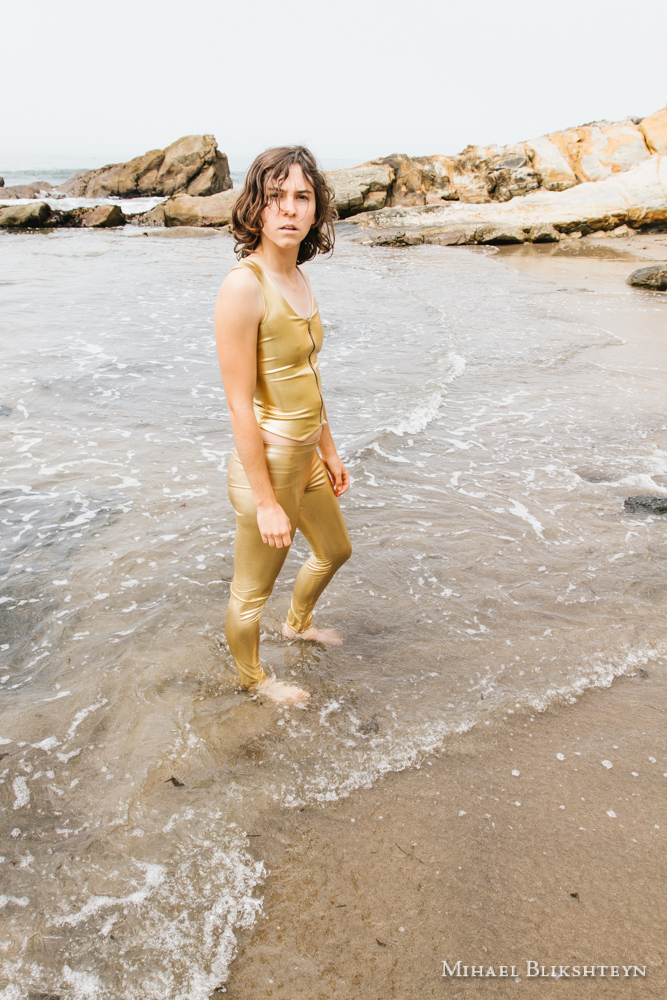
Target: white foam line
(80, 716)
(154, 876)
(525, 515)
(392, 458)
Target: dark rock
(646, 502)
(192, 165)
(543, 233)
(33, 216)
(6, 411)
(2, 182)
(154, 217)
(654, 277)
(504, 183)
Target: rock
(418, 179)
(554, 169)
(358, 188)
(212, 210)
(32, 190)
(654, 130)
(471, 188)
(191, 165)
(601, 149)
(397, 240)
(2, 182)
(32, 216)
(450, 236)
(635, 197)
(154, 217)
(504, 183)
(543, 233)
(645, 502)
(495, 234)
(102, 216)
(654, 277)
(621, 232)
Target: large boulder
(360, 189)
(211, 210)
(192, 165)
(32, 216)
(635, 197)
(32, 190)
(654, 130)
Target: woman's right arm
(238, 312)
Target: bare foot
(328, 636)
(282, 693)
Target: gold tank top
(288, 397)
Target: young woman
(268, 333)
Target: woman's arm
(238, 312)
(338, 474)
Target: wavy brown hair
(269, 170)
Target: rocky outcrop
(654, 277)
(32, 216)
(192, 165)
(33, 190)
(636, 197)
(484, 174)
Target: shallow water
(493, 567)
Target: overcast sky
(352, 79)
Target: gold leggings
(302, 488)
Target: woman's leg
(321, 522)
(256, 564)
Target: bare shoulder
(240, 294)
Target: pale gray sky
(352, 79)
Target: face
(290, 213)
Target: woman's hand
(274, 525)
(338, 474)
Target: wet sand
(495, 852)
(533, 837)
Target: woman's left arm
(338, 474)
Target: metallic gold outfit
(288, 402)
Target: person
(284, 472)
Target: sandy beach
(516, 843)
(535, 837)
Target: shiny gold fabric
(288, 398)
(303, 490)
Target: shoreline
(460, 858)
